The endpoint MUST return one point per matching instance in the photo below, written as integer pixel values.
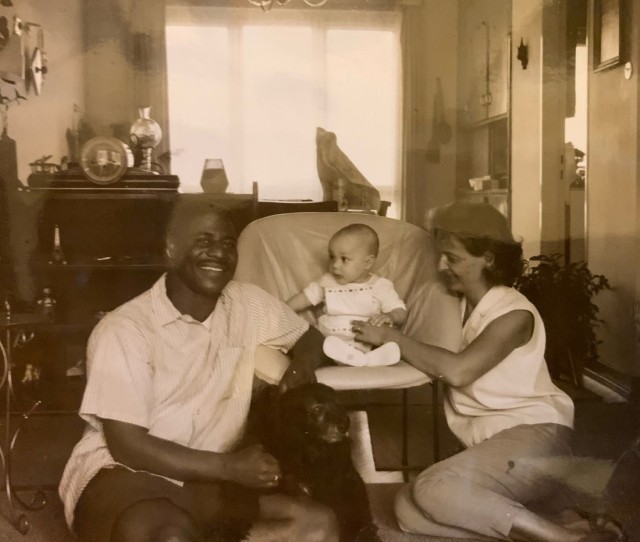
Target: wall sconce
(523, 54)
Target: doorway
(575, 157)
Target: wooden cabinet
(484, 65)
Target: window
(251, 87)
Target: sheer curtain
(251, 87)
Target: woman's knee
(157, 520)
(437, 494)
(405, 510)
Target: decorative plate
(104, 160)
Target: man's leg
(285, 519)
(156, 520)
(121, 505)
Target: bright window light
(251, 89)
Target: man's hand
(253, 467)
(306, 356)
(296, 375)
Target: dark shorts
(112, 491)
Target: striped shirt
(185, 381)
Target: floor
(604, 430)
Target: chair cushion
(271, 365)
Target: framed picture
(607, 34)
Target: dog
(307, 430)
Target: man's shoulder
(135, 313)
(249, 291)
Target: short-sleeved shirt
(183, 380)
(518, 390)
(354, 301)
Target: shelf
(487, 192)
(57, 327)
(103, 267)
(102, 193)
(483, 122)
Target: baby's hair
(373, 242)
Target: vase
(214, 179)
(145, 134)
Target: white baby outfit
(344, 303)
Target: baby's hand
(380, 320)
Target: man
(169, 383)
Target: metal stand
(16, 332)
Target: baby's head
(352, 252)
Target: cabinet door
(499, 51)
(472, 63)
(483, 58)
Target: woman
(501, 403)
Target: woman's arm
(134, 447)
(495, 343)
(394, 317)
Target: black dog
(306, 430)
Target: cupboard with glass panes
(484, 65)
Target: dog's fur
(306, 430)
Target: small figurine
(31, 374)
(47, 304)
(57, 255)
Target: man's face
(204, 253)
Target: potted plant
(563, 294)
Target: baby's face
(350, 259)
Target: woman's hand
(370, 334)
(379, 320)
(253, 467)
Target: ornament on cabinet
(47, 304)
(57, 255)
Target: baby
(351, 292)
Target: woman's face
(461, 271)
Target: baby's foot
(339, 350)
(387, 354)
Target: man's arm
(134, 447)
(306, 356)
(299, 302)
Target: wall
(613, 201)
(526, 97)
(39, 124)
(431, 182)
(125, 65)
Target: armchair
(283, 253)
